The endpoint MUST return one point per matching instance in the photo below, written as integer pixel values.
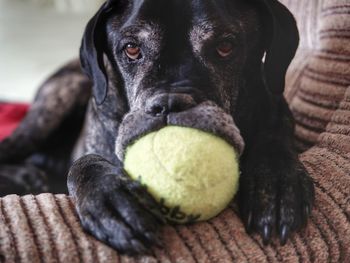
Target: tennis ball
(193, 174)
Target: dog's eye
(133, 51)
(224, 49)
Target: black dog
(206, 64)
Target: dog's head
(184, 62)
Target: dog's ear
(281, 45)
(93, 48)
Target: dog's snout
(169, 103)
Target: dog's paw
(278, 202)
(118, 212)
(119, 220)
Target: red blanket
(10, 116)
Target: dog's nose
(169, 103)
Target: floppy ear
(282, 43)
(92, 50)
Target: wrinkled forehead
(183, 16)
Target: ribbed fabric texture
(45, 228)
(320, 74)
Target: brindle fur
(179, 80)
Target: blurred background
(36, 38)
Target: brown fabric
(45, 228)
(320, 74)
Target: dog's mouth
(206, 116)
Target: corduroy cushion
(45, 228)
(320, 73)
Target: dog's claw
(154, 239)
(249, 222)
(137, 246)
(307, 212)
(266, 235)
(284, 234)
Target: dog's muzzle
(177, 109)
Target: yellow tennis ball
(193, 174)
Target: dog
(215, 65)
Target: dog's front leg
(111, 207)
(276, 193)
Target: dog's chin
(206, 116)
